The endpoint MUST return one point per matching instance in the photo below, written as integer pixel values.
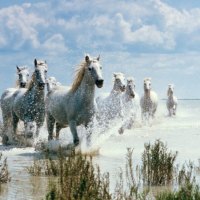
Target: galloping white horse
(149, 101)
(75, 106)
(172, 101)
(6, 97)
(130, 100)
(111, 106)
(29, 104)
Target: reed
(157, 164)
(78, 179)
(4, 174)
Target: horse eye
(45, 71)
(89, 68)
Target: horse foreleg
(72, 126)
(58, 128)
(15, 123)
(50, 126)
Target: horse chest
(148, 103)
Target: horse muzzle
(41, 86)
(123, 88)
(22, 84)
(132, 95)
(99, 83)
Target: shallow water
(181, 133)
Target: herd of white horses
(71, 106)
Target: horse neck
(86, 89)
(116, 88)
(170, 94)
(127, 96)
(35, 94)
(147, 93)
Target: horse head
(119, 82)
(147, 84)
(170, 90)
(94, 69)
(23, 74)
(130, 87)
(51, 83)
(40, 73)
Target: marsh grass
(78, 179)
(157, 164)
(4, 174)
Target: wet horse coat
(7, 97)
(75, 106)
(29, 104)
(110, 107)
(172, 101)
(149, 101)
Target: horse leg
(89, 128)
(15, 121)
(50, 125)
(72, 126)
(5, 138)
(58, 128)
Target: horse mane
(79, 74)
(31, 82)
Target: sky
(141, 38)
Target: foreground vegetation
(4, 174)
(79, 179)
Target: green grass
(157, 164)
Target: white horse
(75, 106)
(6, 97)
(149, 101)
(52, 83)
(130, 100)
(29, 104)
(110, 107)
(172, 101)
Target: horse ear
(115, 75)
(45, 62)
(87, 58)
(18, 69)
(35, 62)
(98, 58)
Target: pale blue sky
(142, 38)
